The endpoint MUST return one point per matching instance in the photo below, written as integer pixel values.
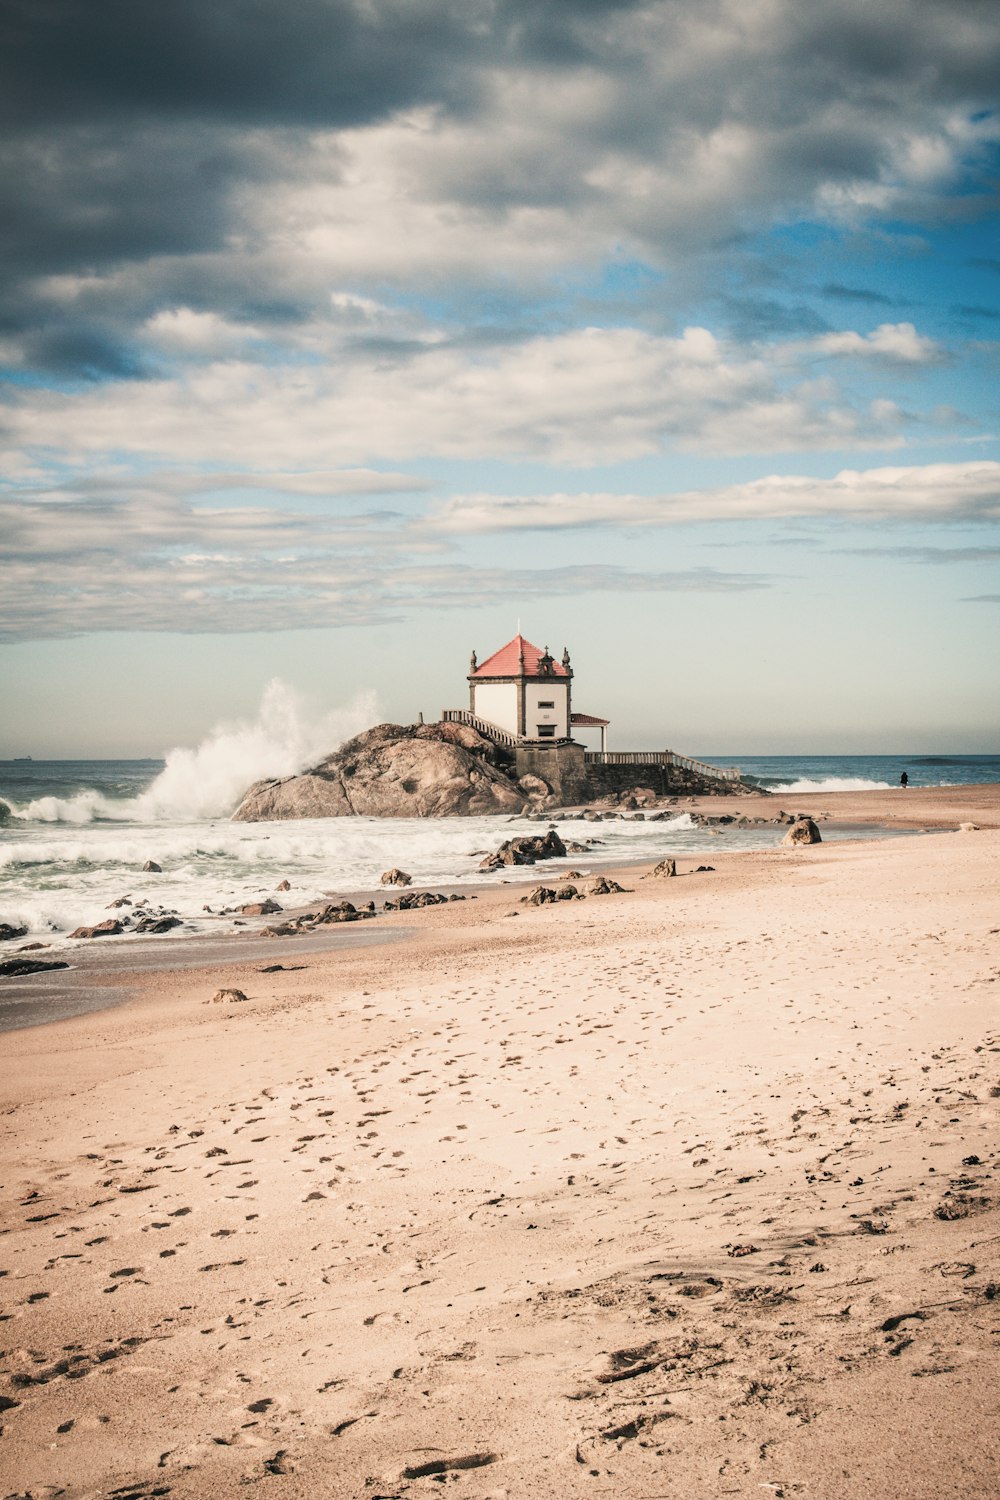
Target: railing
(593, 757)
(660, 758)
(483, 726)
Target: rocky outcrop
(665, 870)
(525, 851)
(394, 771)
(395, 876)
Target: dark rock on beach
(8, 932)
(526, 851)
(16, 968)
(148, 925)
(111, 928)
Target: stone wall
(573, 781)
(665, 781)
(562, 766)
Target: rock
(261, 908)
(604, 887)
(534, 788)
(344, 911)
(5, 813)
(152, 868)
(414, 899)
(16, 968)
(803, 831)
(111, 928)
(571, 875)
(156, 924)
(396, 876)
(222, 997)
(665, 870)
(525, 851)
(8, 933)
(394, 771)
(542, 895)
(968, 827)
(122, 901)
(283, 885)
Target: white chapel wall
(497, 702)
(554, 692)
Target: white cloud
(962, 491)
(592, 395)
(895, 343)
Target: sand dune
(685, 1191)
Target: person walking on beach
(904, 781)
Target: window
(546, 731)
(550, 704)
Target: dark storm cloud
(156, 144)
(330, 62)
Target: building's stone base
(573, 781)
(665, 781)
(562, 766)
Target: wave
(829, 784)
(208, 781)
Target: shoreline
(688, 1190)
(114, 970)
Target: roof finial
(566, 656)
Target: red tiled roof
(584, 719)
(506, 661)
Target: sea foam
(208, 781)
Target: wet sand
(685, 1191)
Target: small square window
(546, 731)
(547, 705)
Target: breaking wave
(829, 784)
(208, 781)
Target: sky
(341, 337)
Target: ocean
(79, 832)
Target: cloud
(932, 556)
(592, 395)
(73, 567)
(841, 293)
(895, 343)
(963, 491)
(242, 159)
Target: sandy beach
(685, 1191)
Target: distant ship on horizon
(20, 759)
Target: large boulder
(393, 771)
(803, 831)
